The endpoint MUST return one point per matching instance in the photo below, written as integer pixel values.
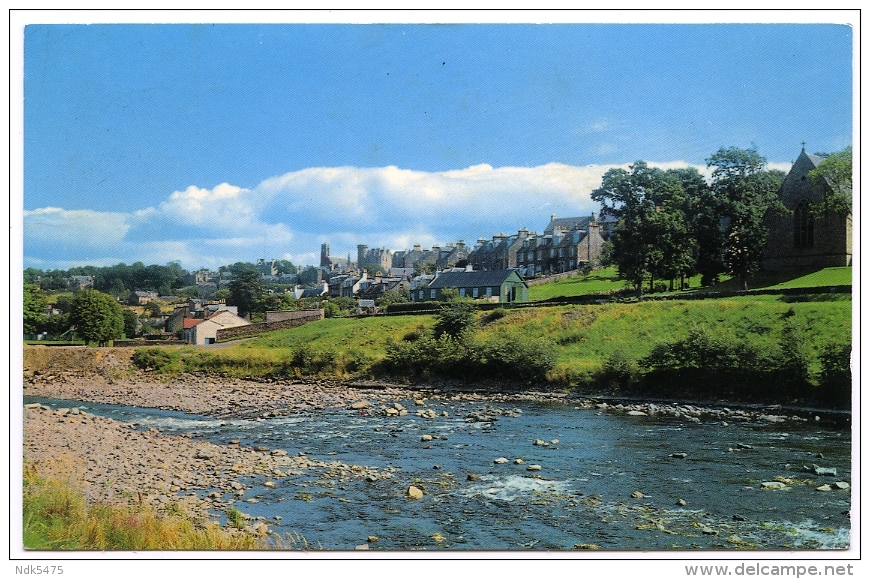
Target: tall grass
(56, 517)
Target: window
(475, 292)
(432, 294)
(803, 225)
(489, 292)
(462, 292)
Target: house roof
(567, 223)
(190, 322)
(473, 278)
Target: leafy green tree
(836, 171)
(286, 266)
(153, 309)
(97, 317)
(456, 320)
(35, 304)
(631, 197)
(246, 291)
(748, 194)
(131, 323)
(392, 297)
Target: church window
(803, 225)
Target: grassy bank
(606, 281)
(56, 517)
(585, 342)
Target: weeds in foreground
(56, 517)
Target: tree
(131, 323)
(835, 170)
(153, 309)
(97, 317)
(456, 320)
(748, 194)
(35, 304)
(631, 197)
(246, 291)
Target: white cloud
(80, 227)
(292, 214)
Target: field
(582, 337)
(606, 280)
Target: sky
(212, 144)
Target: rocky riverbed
(115, 462)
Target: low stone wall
(300, 318)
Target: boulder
(540, 442)
(679, 455)
(824, 488)
(533, 467)
(773, 485)
(841, 485)
(637, 413)
(822, 471)
(637, 495)
(360, 404)
(426, 438)
(414, 493)
(501, 460)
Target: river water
(606, 481)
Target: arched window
(803, 225)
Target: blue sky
(211, 144)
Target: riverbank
(114, 462)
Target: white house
(205, 332)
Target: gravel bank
(114, 462)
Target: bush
(516, 358)
(708, 365)
(835, 380)
(456, 320)
(618, 371)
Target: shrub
(515, 357)
(456, 320)
(835, 379)
(618, 371)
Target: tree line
(672, 223)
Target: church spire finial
(803, 145)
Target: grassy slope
(606, 280)
(584, 336)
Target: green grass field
(606, 280)
(582, 336)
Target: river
(606, 481)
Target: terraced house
(567, 244)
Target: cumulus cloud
(292, 214)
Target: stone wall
(299, 318)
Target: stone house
(379, 257)
(797, 239)
(140, 298)
(560, 250)
(499, 253)
(81, 282)
(501, 286)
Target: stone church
(797, 240)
